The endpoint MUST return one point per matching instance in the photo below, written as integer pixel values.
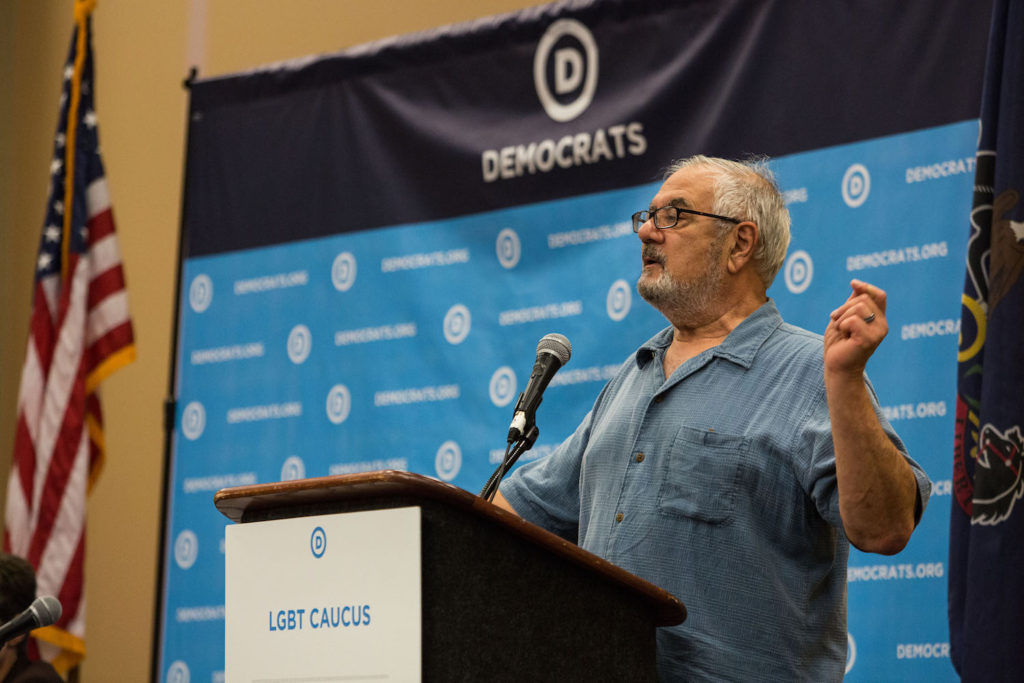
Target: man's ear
(744, 245)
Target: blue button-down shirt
(717, 484)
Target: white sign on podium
(332, 597)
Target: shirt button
(659, 398)
(640, 457)
(618, 517)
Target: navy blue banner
(530, 107)
(376, 241)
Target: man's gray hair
(748, 191)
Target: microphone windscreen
(557, 345)
(47, 610)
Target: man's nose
(649, 233)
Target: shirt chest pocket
(701, 475)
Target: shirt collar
(740, 346)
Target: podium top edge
(237, 502)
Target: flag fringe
(72, 647)
(99, 443)
(109, 366)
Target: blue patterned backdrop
(321, 335)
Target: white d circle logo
(502, 388)
(293, 468)
(573, 70)
(457, 322)
(619, 300)
(448, 460)
(178, 672)
(200, 293)
(339, 404)
(343, 271)
(193, 420)
(799, 272)
(856, 185)
(186, 549)
(300, 341)
(508, 248)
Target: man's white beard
(684, 303)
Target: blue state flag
(986, 551)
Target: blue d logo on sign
(318, 542)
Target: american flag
(80, 332)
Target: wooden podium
(501, 598)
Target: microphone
(43, 611)
(553, 351)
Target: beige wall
(143, 51)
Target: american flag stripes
(80, 332)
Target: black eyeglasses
(668, 216)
